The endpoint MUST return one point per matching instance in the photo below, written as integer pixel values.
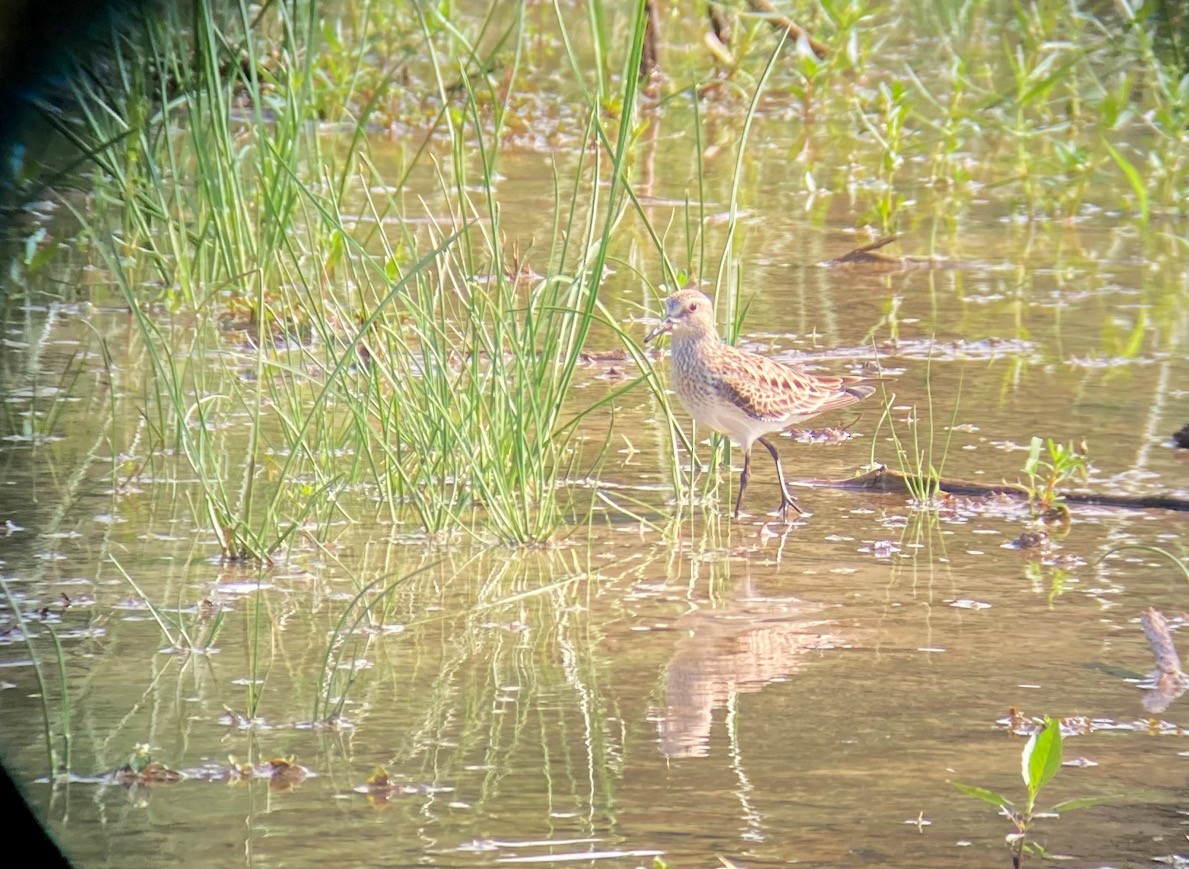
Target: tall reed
(427, 367)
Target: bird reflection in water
(736, 649)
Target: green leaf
(1135, 341)
(1042, 757)
(985, 795)
(1056, 450)
(1083, 802)
(1033, 456)
(337, 248)
(1133, 178)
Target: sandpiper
(741, 394)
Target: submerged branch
(869, 255)
(892, 482)
(866, 255)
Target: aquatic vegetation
(335, 679)
(56, 724)
(141, 770)
(1039, 763)
(894, 106)
(190, 630)
(1049, 465)
(920, 458)
(436, 360)
(331, 308)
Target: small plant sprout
(140, 758)
(1049, 465)
(1038, 765)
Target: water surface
(663, 680)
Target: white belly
(729, 420)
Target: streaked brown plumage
(743, 395)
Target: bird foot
(785, 504)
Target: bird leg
(786, 498)
(743, 478)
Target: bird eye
(693, 306)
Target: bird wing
(769, 391)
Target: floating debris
(1029, 540)
(1081, 725)
(152, 774)
(238, 721)
(380, 786)
(831, 435)
(142, 770)
(967, 604)
(1168, 681)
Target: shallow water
(725, 688)
(683, 686)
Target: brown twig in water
(1169, 679)
(866, 254)
(794, 31)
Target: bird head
(688, 313)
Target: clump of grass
(919, 456)
(203, 202)
(895, 103)
(440, 367)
